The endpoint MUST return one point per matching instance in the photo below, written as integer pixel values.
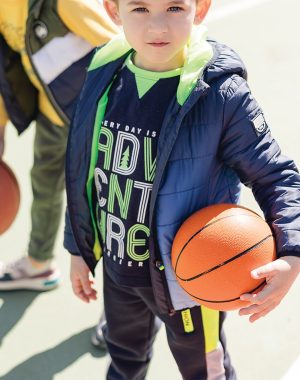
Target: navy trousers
(132, 324)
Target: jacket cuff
(74, 253)
(70, 244)
(288, 253)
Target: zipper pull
(159, 265)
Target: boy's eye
(140, 10)
(175, 9)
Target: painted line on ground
(294, 372)
(236, 7)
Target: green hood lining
(93, 162)
(199, 53)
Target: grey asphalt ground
(46, 336)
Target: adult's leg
(37, 271)
(48, 182)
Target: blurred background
(46, 336)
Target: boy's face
(158, 30)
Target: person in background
(45, 48)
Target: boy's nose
(157, 25)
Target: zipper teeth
(155, 243)
(162, 274)
(57, 108)
(170, 304)
(156, 248)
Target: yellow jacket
(84, 18)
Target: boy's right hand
(80, 279)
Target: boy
(166, 125)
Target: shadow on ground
(14, 305)
(46, 364)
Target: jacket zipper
(160, 267)
(158, 261)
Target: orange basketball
(214, 252)
(9, 197)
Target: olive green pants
(48, 183)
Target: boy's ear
(112, 10)
(201, 10)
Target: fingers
(78, 291)
(258, 311)
(83, 287)
(279, 276)
(258, 298)
(87, 288)
(264, 271)
(262, 303)
(80, 279)
(83, 290)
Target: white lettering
(118, 236)
(98, 176)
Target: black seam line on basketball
(225, 262)
(224, 301)
(203, 228)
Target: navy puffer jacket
(208, 146)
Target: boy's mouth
(158, 44)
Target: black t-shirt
(125, 169)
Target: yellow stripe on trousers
(210, 321)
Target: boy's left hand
(80, 279)
(279, 275)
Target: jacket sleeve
(69, 240)
(87, 19)
(3, 114)
(248, 147)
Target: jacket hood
(205, 59)
(225, 61)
